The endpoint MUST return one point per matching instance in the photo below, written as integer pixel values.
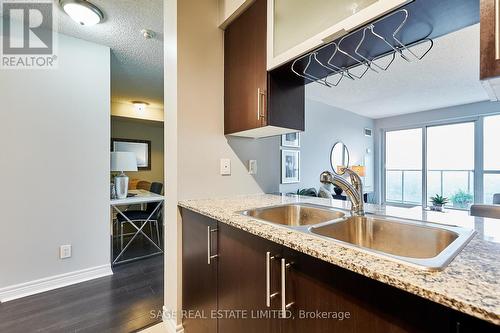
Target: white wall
(437, 116)
(55, 129)
(326, 125)
(200, 109)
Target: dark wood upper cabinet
(257, 103)
(490, 48)
(490, 39)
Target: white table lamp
(122, 161)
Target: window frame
(479, 172)
(485, 171)
(384, 168)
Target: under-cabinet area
(236, 281)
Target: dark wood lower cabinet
(321, 297)
(243, 282)
(199, 279)
(330, 299)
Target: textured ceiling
(136, 63)
(447, 76)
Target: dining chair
(491, 211)
(496, 198)
(487, 210)
(144, 185)
(141, 216)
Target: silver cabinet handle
(260, 101)
(269, 296)
(497, 29)
(209, 245)
(284, 305)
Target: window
(456, 165)
(403, 163)
(449, 152)
(450, 163)
(491, 160)
(491, 186)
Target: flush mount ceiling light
(140, 106)
(148, 34)
(82, 11)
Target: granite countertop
(469, 284)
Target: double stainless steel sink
(295, 215)
(421, 244)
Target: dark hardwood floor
(119, 303)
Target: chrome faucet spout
(353, 190)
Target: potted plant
(310, 192)
(438, 201)
(462, 199)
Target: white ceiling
(136, 63)
(447, 76)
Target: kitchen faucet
(353, 190)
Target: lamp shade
(123, 161)
(359, 169)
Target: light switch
(225, 166)
(252, 167)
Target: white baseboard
(53, 282)
(170, 324)
(158, 328)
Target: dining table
(120, 206)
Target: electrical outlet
(65, 251)
(252, 167)
(225, 166)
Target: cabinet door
(245, 75)
(243, 274)
(490, 39)
(330, 299)
(199, 278)
(297, 26)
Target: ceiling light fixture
(140, 106)
(148, 34)
(82, 11)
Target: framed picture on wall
(290, 166)
(141, 149)
(290, 140)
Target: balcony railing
(405, 185)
